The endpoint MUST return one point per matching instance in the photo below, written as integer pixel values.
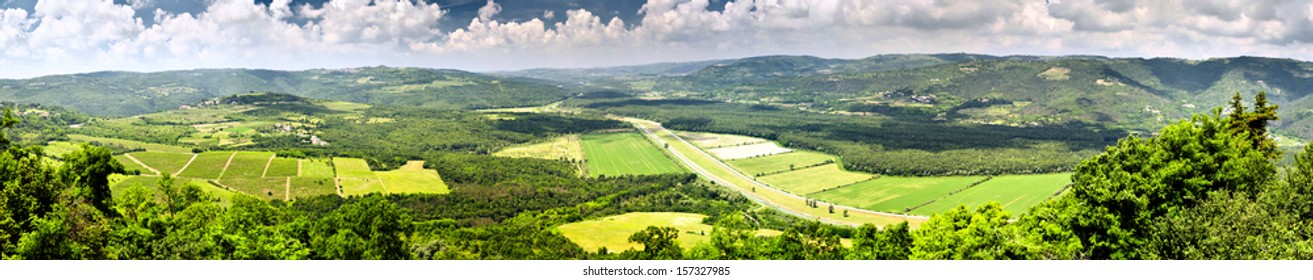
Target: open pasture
(1017, 193)
(896, 194)
(613, 154)
(207, 165)
(564, 147)
(747, 151)
(814, 179)
(780, 163)
(412, 178)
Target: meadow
(356, 178)
(780, 163)
(150, 147)
(628, 153)
(896, 194)
(716, 140)
(412, 178)
(119, 183)
(207, 165)
(169, 163)
(1016, 192)
(748, 151)
(814, 179)
(316, 168)
(247, 165)
(282, 167)
(613, 232)
(564, 147)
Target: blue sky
(42, 37)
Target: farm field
(716, 140)
(613, 232)
(1015, 192)
(356, 178)
(164, 162)
(263, 188)
(814, 179)
(412, 178)
(57, 149)
(613, 154)
(780, 163)
(208, 165)
(150, 147)
(281, 167)
(316, 168)
(119, 183)
(567, 147)
(747, 151)
(130, 165)
(306, 187)
(896, 194)
(247, 165)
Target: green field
(780, 162)
(282, 167)
(1016, 192)
(896, 194)
(130, 165)
(307, 187)
(57, 149)
(164, 162)
(119, 183)
(208, 165)
(316, 168)
(625, 153)
(356, 178)
(613, 232)
(413, 178)
(150, 147)
(263, 188)
(716, 140)
(247, 165)
(814, 179)
(564, 147)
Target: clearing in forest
(1017, 193)
(767, 165)
(896, 194)
(814, 179)
(748, 151)
(413, 178)
(564, 147)
(613, 154)
(613, 232)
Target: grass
(748, 151)
(150, 147)
(316, 168)
(281, 167)
(164, 162)
(308, 187)
(356, 178)
(814, 179)
(413, 178)
(613, 232)
(780, 162)
(613, 154)
(57, 149)
(714, 140)
(263, 188)
(208, 165)
(120, 183)
(896, 194)
(130, 165)
(1017, 193)
(564, 147)
(247, 165)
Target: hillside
(125, 93)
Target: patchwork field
(413, 178)
(613, 154)
(896, 194)
(150, 147)
(613, 232)
(306, 187)
(814, 179)
(747, 151)
(316, 168)
(356, 178)
(208, 165)
(760, 166)
(264, 188)
(715, 140)
(164, 162)
(247, 165)
(281, 167)
(564, 147)
(1016, 192)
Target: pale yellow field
(567, 147)
(715, 140)
(613, 232)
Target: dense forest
(1204, 188)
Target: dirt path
(287, 194)
(266, 165)
(380, 183)
(298, 167)
(226, 164)
(134, 159)
(184, 166)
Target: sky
(44, 37)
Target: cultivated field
(780, 163)
(814, 179)
(281, 167)
(613, 154)
(747, 151)
(208, 165)
(306, 187)
(119, 183)
(264, 188)
(316, 168)
(164, 162)
(564, 147)
(613, 232)
(356, 178)
(57, 149)
(150, 147)
(413, 178)
(247, 165)
(130, 165)
(1016, 192)
(896, 194)
(715, 140)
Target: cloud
(60, 36)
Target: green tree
(961, 234)
(87, 171)
(369, 228)
(659, 243)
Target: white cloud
(61, 36)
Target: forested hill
(1135, 93)
(126, 93)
